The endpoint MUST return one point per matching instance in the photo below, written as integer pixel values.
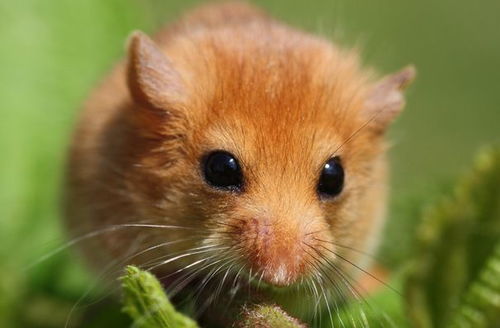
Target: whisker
(329, 279)
(87, 292)
(205, 239)
(219, 290)
(188, 277)
(260, 278)
(98, 233)
(355, 133)
(175, 258)
(328, 307)
(353, 290)
(226, 224)
(315, 291)
(347, 282)
(213, 295)
(363, 270)
(199, 288)
(338, 273)
(349, 248)
(105, 272)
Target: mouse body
(233, 150)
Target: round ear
(386, 99)
(152, 80)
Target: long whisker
(214, 295)
(158, 260)
(349, 248)
(87, 292)
(363, 270)
(315, 291)
(326, 279)
(203, 250)
(347, 280)
(355, 133)
(185, 279)
(190, 277)
(118, 262)
(221, 285)
(149, 249)
(98, 233)
(346, 283)
(328, 307)
(212, 273)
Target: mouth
(207, 292)
(264, 286)
(242, 279)
(258, 283)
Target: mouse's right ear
(152, 80)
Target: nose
(274, 249)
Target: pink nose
(274, 250)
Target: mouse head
(274, 153)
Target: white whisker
(98, 233)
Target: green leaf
(455, 240)
(145, 301)
(481, 305)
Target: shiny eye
(331, 180)
(222, 170)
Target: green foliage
(52, 52)
(382, 309)
(455, 242)
(480, 307)
(145, 301)
(266, 315)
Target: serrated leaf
(455, 240)
(481, 305)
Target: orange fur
(229, 77)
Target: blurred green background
(53, 52)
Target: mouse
(234, 151)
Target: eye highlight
(331, 180)
(221, 170)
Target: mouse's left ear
(152, 79)
(386, 99)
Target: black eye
(222, 170)
(331, 180)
